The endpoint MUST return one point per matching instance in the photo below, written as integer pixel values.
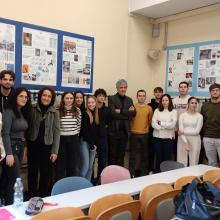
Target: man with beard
(7, 78)
(211, 125)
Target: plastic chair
(183, 181)
(211, 175)
(107, 202)
(80, 218)
(150, 192)
(128, 211)
(161, 207)
(170, 165)
(69, 184)
(216, 182)
(59, 214)
(114, 173)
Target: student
(180, 102)
(164, 123)
(158, 92)
(122, 111)
(89, 133)
(104, 117)
(7, 78)
(140, 125)
(189, 141)
(43, 142)
(13, 134)
(70, 123)
(79, 100)
(211, 127)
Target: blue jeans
(87, 158)
(163, 150)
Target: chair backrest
(170, 165)
(166, 208)
(80, 218)
(69, 184)
(183, 181)
(211, 175)
(59, 214)
(107, 202)
(150, 192)
(114, 173)
(216, 182)
(128, 211)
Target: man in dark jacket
(7, 78)
(158, 92)
(122, 110)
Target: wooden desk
(83, 198)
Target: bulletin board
(43, 56)
(198, 64)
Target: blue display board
(47, 57)
(198, 64)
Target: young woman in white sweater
(189, 141)
(164, 122)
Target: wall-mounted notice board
(198, 64)
(43, 56)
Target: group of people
(67, 137)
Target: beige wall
(203, 27)
(121, 40)
(106, 20)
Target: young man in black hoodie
(104, 117)
(158, 92)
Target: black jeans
(39, 164)
(67, 161)
(117, 148)
(102, 152)
(142, 140)
(11, 173)
(163, 150)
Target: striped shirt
(70, 125)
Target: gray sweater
(13, 127)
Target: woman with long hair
(70, 124)
(43, 142)
(79, 100)
(15, 124)
(90, 132)
(189, 140)
(164, 122)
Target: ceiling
(162, 8)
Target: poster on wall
(209, 66)
(7, 46)
(180, 68)
(39, 57)
(76, 63)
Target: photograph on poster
(77, 62)
(7, 46)
(208, 66)
(180, 68)
(39, 57)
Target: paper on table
(6, 215)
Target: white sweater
(190, 124)
(164, 123)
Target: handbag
(198, 201)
